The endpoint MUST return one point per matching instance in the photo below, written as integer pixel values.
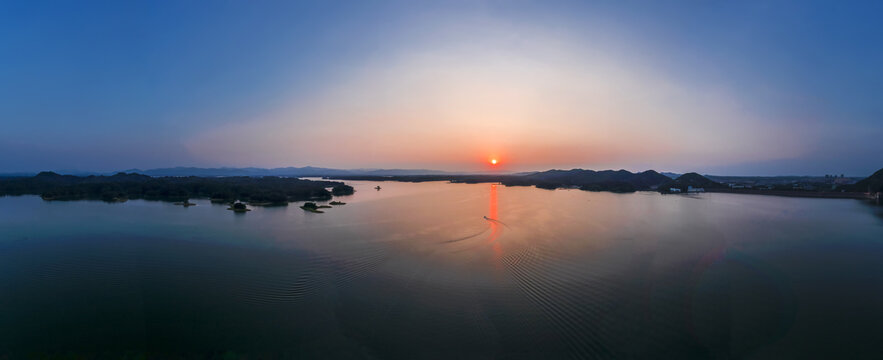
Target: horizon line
(78, 172)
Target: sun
(493, 161)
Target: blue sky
(765, 88)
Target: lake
(438, 270)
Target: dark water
(416, 271)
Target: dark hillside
(267, 190)
(695, 180)
(873, 183)
(620, 180)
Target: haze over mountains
(305, 171)
(282, 171)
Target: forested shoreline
(263, 190)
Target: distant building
(692, 189)
(674, 190)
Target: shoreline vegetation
(623, 181)
(255, 191)
(280, 191)
(185, 203)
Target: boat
(377, 187)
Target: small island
(337, 203)
(311, 207)
(185, 203)
(238, 207)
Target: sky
(728, 88)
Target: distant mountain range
(305, 171)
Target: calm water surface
(417, 271)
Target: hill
(873, 183)
(684, 182)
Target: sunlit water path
(438, 270)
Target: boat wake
(465, 237)
(496, 221)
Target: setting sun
(493, 161)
